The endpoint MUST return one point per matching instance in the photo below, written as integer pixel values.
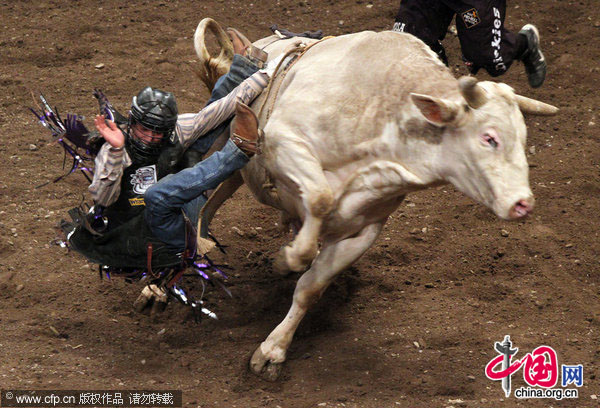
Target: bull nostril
(525, 204)
(521, 208)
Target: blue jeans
(241, 68)
(185, 191)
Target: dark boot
(245, 132)
(533, 59)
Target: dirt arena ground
(412, 324)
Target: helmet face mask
(146, 136)
(151, 124)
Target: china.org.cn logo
(540, 372)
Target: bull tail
(211, 68)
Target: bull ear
(439, 112)
(533, 107)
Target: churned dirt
(412, 324)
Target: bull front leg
(334, 257)
(300, 168)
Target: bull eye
(490, 140)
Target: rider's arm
(191, 126)
(109, 165)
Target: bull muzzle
(521, 208)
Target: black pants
(484, 41)
(125, 246)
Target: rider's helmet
(156, 111)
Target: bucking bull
(352, 126)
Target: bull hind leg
(334, 257)
(305, 172)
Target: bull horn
(533, 107)
(474, 94)
(211, 68)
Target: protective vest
(136, 179)
(134, 183)
(125, 243)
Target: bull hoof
(151, 297)
(157, 309)
(140, 303)
(262, 367)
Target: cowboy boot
(243, 46)
(245, 132)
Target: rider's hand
(270, 67)
(109, 131)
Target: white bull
(358, 122)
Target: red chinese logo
(540, 367)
